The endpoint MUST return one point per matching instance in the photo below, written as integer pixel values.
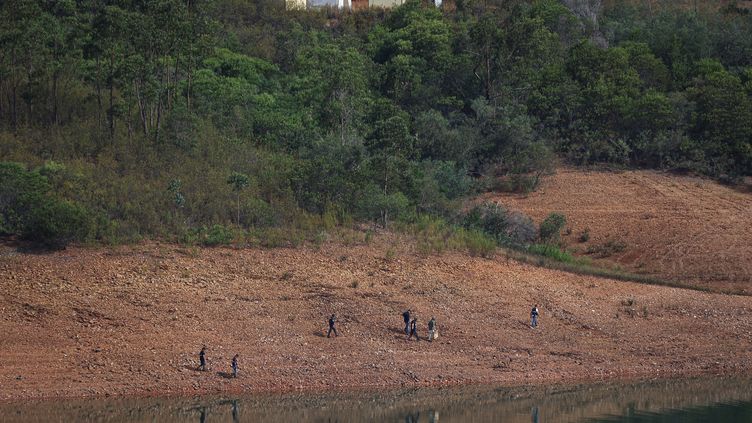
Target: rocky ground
(130, 320)
(689, 230)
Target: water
(686, 401)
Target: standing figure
(534, 316)
(235, 366)
(332, 320)
(406, 318)
(202, 359)
(433, 331)
(414, 329)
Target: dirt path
(130, 320)
(685, 229)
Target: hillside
(686, 229)
(131, 319)
(183, 120)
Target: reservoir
(693, 400)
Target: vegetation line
(524, 256)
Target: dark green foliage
(55, 223)
(218, 235)
(551, 226)
(491, 218)
(20, 192)
(510, 229)
(28, 208)
(147, 108)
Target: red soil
(130, 321)
(687, 229)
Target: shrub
(218, 235)
(550, 228)
(490, 218)
(521, 229)
(479, 244)
(260, 214)
(432, 234)
(55, 223)
(606, 249)
(584, 236)
(552, 252)
(28, 209)
(20, 190)
(281, 237)
(376, 206)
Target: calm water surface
(714, 400)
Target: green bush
(55, 223)
(20, 191)
(218, 235)
(383, 208)
(281, 237)
(258, 213)
(479, 244)
(28, 209)
(490, 218)
(552, 252)
(550, 228)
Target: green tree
(238, 182)
(723, 118)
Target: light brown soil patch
(130, 320)
(686, 229)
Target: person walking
(406, 318)
(202, 359)
(433, 331)
(332, 320)
(534, 316)
(414, 329)
(235, 366)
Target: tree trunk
(99, 95)
(55, 77)
(111, 111)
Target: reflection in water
(718, 400)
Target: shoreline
(127, 322)
(365, 391)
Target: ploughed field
(131, 320)
(689, 230)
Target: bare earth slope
(130, 320)
(686, 229)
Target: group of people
(411, 330)
(411, 326)
(202, 362)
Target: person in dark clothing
(534, 316)
(414, 329)
(235, 366)
(406, 317)
(332, 320)
(202, 359)
(433, 332)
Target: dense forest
(199, 120)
